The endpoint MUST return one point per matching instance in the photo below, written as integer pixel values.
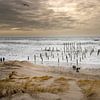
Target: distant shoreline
(50, 37)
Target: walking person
(0, 59)
(28, 58)
(3, 59)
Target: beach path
(74, 92)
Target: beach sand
(21, 80)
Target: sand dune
(21, 80)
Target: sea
(52, 51)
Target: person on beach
(74, 67)
(28, 58)
(0, 59)
(3, 59)
(35, 58)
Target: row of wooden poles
(70, 52)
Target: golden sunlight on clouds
(73, 8)
(61, 6)
(50, 17)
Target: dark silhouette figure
(35, 59)
(0, 59)
(74, 67)
(77, 62)
(28, 58)
(77, 69)
(58, 61)
(67, 58)
(41, 57)
(3, 59)
(91, 52)
(46, 54)
(98, 52)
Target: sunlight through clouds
(50, 14)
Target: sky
(49, 17)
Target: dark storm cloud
(11, 13)
(28, 14)
(14, 14)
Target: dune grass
(89, 87)
(42, 78)
(9, 86)
(61, 79)
(59, 85)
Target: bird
(24, 4)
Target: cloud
(47, 14)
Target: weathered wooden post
(28, 58)
(45, 49)
(62, 56)
(53, 49)
(46, 54)
(64, 48)
(35, 59)
(58, 61)
(41, 58)
(77, 62)
(70, 57)
(98, 52)
(74, 55)
(91, 52)
(80, 59)
(67, 58)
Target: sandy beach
(49, 49)
(21, 80)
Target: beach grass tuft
(89, 87)
(31, 85)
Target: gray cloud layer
(45, 14)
